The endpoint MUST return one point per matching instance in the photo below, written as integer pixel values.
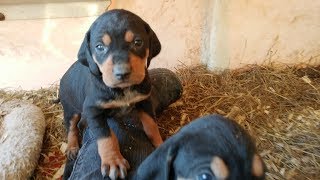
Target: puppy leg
(151, 129)
(73, 138)
(111, 158)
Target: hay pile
(280, 107)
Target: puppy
(134, 144)
(212, 147)
(110, 79)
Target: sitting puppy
(212, 147)
(110, 79)
(134, 144)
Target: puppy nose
(122, 71)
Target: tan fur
(128, 37)
(138, 66)
(108, 147)
(106, 39)
(106, 68)
(150, 128)
(73, 137)
(257, 166)
(219, 168)
(182, 178)
(137, 74)
(109, 151)
(129, 98)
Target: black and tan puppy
(210, 148)
(109, 79)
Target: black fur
(188, 153)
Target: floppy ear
(158, 165)
(154, 44)
(85, 55)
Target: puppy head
(212, 147)
(119, 46)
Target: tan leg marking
(112, 162)
(151, 129)
(73, 138)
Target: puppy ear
(85, 55)
(82, 58)
(158, 165)
(155, 45)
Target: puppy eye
(100, 48)
(205, 176)
(138, 43)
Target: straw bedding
(278, 106)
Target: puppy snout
(122, 71)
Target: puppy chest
(123, 101)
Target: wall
(177, 23)
(220, 33)
(230, 34)
(39, 41)
(36, 53)
(254, 31)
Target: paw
(72, 153)
(114, 167)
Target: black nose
(121, 71)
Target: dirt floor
(278, 106)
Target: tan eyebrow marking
(257, 166)
(106, 39)
(128, 37)
(219, 168)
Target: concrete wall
(178, 24)
(255, 31)
(38, 42)
(230, 34)
(35, 52)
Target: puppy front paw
(113, 163)
(72, 152)
(115, 167)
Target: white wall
(221, 33)
(255, 31)
(178, 24)
(38, 42)
(232, 33)
(36, 53)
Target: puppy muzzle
(122, 71)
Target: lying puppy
(109, 79)
(212, 147)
